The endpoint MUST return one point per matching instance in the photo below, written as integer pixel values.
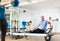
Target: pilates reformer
(47, 35)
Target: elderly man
(41, 28)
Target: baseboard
(56, 32)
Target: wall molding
(56, 32)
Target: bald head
(42, 18)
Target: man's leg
(35, 31)
(3, 30)
(41, 31)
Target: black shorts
(37, 31)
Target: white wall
(34, 15)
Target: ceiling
(37, 4)
(27, 2)
(44, 4)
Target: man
(29, 25)
(3, 23)
(41, 28)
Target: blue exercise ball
(15, 3)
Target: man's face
(42, 18)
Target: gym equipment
(22, 29)
(8, 25)
(15, 3)
(47, 35)
(14, 28)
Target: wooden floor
(54, 38)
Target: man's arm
(7, 6)
(50, 24)
(35, 27)
(6, 3)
